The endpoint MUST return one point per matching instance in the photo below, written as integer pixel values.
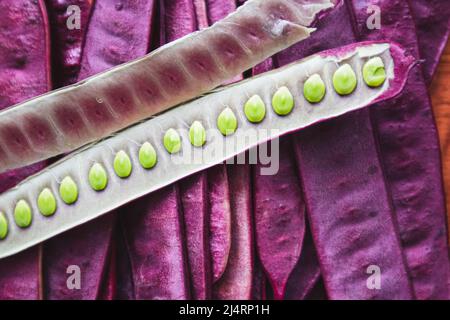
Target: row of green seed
(344, 82)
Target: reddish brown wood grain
(440, 96)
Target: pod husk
(95, 249)
(220, 219)
(346, 196)
(93, 109)
(171, 168)
(218, 192)
(24, 73)
(279, 213)
(409, 149)
(236, 282)
(154, 236)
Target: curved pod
(171, 168)
(98, 106)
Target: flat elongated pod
(432, 19)
(67, 37)
(219, 219)
(219, 147)
(90, 246)
(218, 187)
(179, 20)
(357, 236)
(279, 209)
(236, 282)
(25, 51)
(280, 223)
(409, 148)
(117, 33)
(24, 73)
(344, 189)
(193, 192)
(158, 262)
(92, 109)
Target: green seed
(227, 122)
(98, 178)
(255, 109)
(374, 73)
(46, 202)
(68, 190)
(282, 101)
(314, 89)
(172, 141)
(197, 134)
(147, 156)
(22, 214)
(3, 226)
(344, 80)
(122, 165)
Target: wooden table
(440, 96)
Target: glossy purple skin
(259, 282)
(306, 273)
(67, 45)
(279, 219)
(279, 213)
(346, 197)
(409, 148)
(236, 282)
(24, 73)
(220, 219)
(194, 200)
(432, 20)
(24, 54)
(155, 240)
(88, 247)
(98, 237)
